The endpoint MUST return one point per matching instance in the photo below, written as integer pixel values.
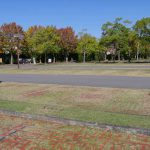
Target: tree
(29, 34)
(101, 50)
(46, 40)
(2, 40)
(142, 28)
(86, 45)
(134, 44)
(115, 37)
(11, 32)
(68, 41)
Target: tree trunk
(99, 56)
(66, 59)
(18, 59)
(105, 57)
(11, 58)
(118, 55)
(129, 57)
(84, 57)
(54, 59)
(137, 52)
(40, 60)
(114, 58)
(34, 60)
(137, 55)
(66, 56)
(45, 58)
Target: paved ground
(80, 80)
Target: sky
(79, 14)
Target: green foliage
(119, 40)
(115, 37)
(142, 28)
(87, 44)
(29, 34)
(46, 40)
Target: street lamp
(18, 37)
(18, 54)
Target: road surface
(80, 80)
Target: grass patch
(79, 114)
(107, 118)
(80, 69)
(123, 107)
(14, 106)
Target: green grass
(107, 118)
(80, 114)
(14, 106)
(123, 107)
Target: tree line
(119, 41)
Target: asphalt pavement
(80, 80)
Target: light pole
(18, 37)
(18, 54)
